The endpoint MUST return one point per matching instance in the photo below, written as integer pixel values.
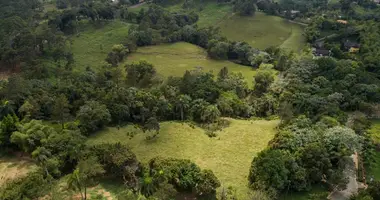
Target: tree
(117, 54)
(30, 135)
(93, 116)
(140, 74)
(183, 104)
(61, 4)
(210, 114)
(207, 184)
(218, 50)
(262, 81)
(7, 126)
(61, 110)
(245, 7)
(269, 170)
(84, 175)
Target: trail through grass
(175, 59)
(94, 41)
(228, 155)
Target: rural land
(189, 99)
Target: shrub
(31, 186)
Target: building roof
(321, 52)
(348, 44)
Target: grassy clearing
(213, 13)
(94, 41)
(296, 40)
(12, 168)
(262, 31)
(229, 154)
(175, 59)
(374, 132)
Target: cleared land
(175, 59)
(262, 31)
(212, 14)
(91, 46)
(12, 168)
(228, 155)
(374, 171)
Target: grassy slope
(375, 135)
(91, 46)
(175, 59)
(212, 14)
(229, 154)
(262, 31)
(11, 168)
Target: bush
(185, 175)
(32, 186)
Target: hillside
(230, 151)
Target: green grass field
(212, 14)
(262, 31)
(94, 41)
(175, 59)
(228, 155)
(374, 132)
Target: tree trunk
(85, 193)
(181, 113)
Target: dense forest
(324, 103)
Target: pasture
(228, 155)
(374, 170)
(94, 41)
(262, 31)
(175, 59)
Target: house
(351, 46)
(342, 21)
(321, 52)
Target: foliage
(84, 175)
(92, 116)
(185, 175)
(118, 161)
(32, 186)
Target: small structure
(351, 47)
(321, 52)
(342, 21)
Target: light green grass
(91, 46)
(212, 14)
(175, 59)
(228, 155)
(296, 40)
(262, 31)
(374, 132)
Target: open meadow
(175, 59)
(262, 31)
(228, 155)
(374, 170)
(94, 41)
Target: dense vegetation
(48, 109)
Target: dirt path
(353, 185)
